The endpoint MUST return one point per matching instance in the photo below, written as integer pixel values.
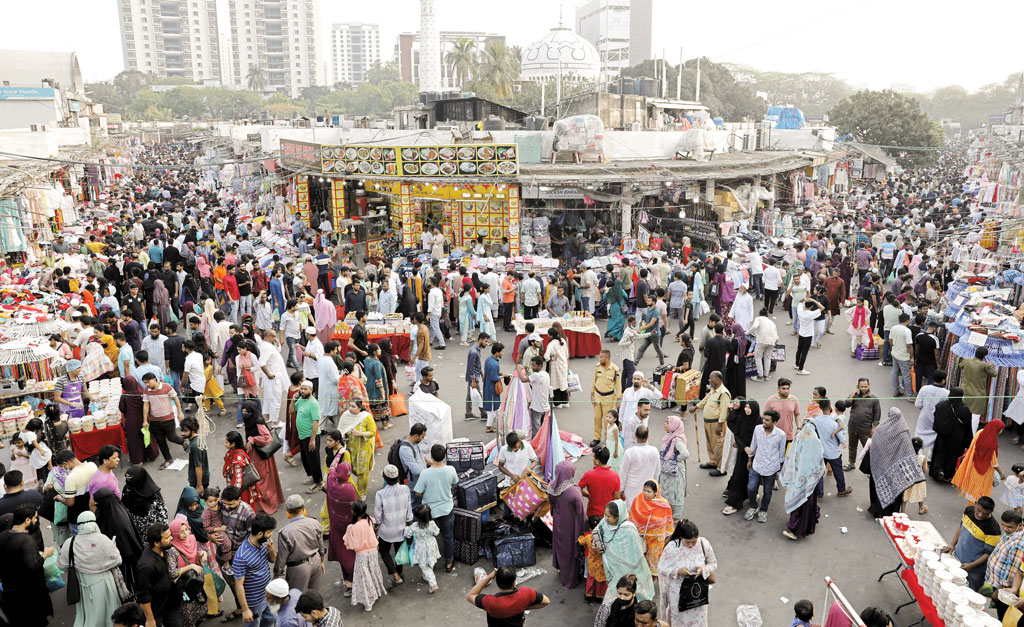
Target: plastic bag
(403, 556)
(54, 575)
(748, 616)
(145, 436)
(475, 399)
(574, 382)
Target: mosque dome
(579, 57)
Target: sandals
(291, 460)
(313, 489)
(232, 616)
(164, 465)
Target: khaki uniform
(716, 408)
(605, 394)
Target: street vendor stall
(581, 333)
(102, 425)
(379, 327)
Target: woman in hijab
(387, 359)
(736, 367)
(623, 550)
(686, 552)
(131, 408)
(340, 496)
(616, 299)
(570, 522)
(96, 560)
(142, 498)
(161, 302)
(952, 426)
(726, 296)
(326, 315)
(361, 442)
(191, 507)
(973, 477)
(350, 386)
(672, 477)
(377, 387)
(407, 304)
(95, 364)
(133, 334)
(801, 472)
(258, 434)
(892, 463)
(116, 523)
(187, 553)
(742, 419)
(247, 367)
(652, 515)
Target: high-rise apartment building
(407, 52)
(281, 39)
(619, 29)
(355, 47)
(171, 38)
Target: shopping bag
(145, 436)
(524, 497)
(54, 576)
(779, 353)
(398, 407)
(218, 582)
(403, 556)
(913, 378)
(410, 372)
(1011, 617)
(475, 399)
(574, 382)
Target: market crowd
(175, 290)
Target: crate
(468, 525)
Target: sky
(870, 43)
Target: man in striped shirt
(251, 569)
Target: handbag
(573, 381)
(190, 585)
(523, 498)
(267, 450)
(669, 466)
(74, 589)
(403, 556)
(693, 591)
(123, 593)
(398, 407)
(499, 386)
(247, 376)
(250, 476)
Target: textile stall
(582, 335)
(379, 327)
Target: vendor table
(86, 444)
(908, 578)
(583, 341)
(400, 343)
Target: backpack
(395, 459)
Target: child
(615, 443)
(214, 525)
(597, 581)
(917, 492)
(1013, 489)
(213, 392)
(804, 613)
(367, 580)
(860, 327)
(424, 533)
(19, 461)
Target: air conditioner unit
(38, 128)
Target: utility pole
(679, 76)
(696, 96)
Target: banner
(440, 161)
(302, 198)
(407, 216)
(337, 203)
(513, 221)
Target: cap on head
(293, 502)
(391, 471)
(279, 587)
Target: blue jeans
(234, 311)
(263, 615)
(793, 313)
(419, 364)
(175, 380)
(447, 526)
(886, 348)
(246, 304)
(819, 329)
(756, 285)
(901, 370)
(291, 342)
(586, 303)
(435, 330)
(755, 481)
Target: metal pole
(697, 88)
(679, 76)
(558, 89)
(543, 88)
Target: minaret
(430, 48)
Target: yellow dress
(213, 391)
(969, 482)
(362, 453)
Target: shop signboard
(302, 198)
(407, 216)
(427, 161)
(513, 222)
(337, 202)
(300, 153)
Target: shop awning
(875, 153)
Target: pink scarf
(676, 429)
(860, 317)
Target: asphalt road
(757, 565)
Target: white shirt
(314, 351)
(590, 284)
(290, 326)
(195, 370)
(83, 336)
(435, 301)
(756, 265)
(428, 239)
(630, 397)
(540, 392)
(807, 317)
(640, 463)
(516, 462)
(531, 292)
(772, 277)
(764, 331)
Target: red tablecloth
(85, 444)
(580, 344)
(931, 615)
(400, 343)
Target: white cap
(278, 588)
(534, 338)
(637, 373)
(311, 330)
(306, 383)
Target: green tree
(380, 73)
(720, 92)
(498, 68)
(142, 102)
(888, 118)
(256, 79)
(972, 109)
(186, 102)
(814, 93)
(106, 94)
(462, 58)
(131, 82)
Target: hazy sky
(872, 43)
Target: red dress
(270, 481)
(234, 462)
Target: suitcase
(467, 552)
(468, 525)
(659, 377)
(517, 550)
(463, 456)
(477, 493)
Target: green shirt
(197, 458)
(307, 411)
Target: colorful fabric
(624, 553)
(804, 466)
(894, 466)
(653, 519)
(1005, 560)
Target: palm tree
(498, 67)
(462, 59)
(256, 78)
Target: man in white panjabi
(275, 378)
(640, 463)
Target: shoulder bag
(670, 465)
(74, 589)
(267, 450)
(693, 591)
(250, 476)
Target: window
(147, 54)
